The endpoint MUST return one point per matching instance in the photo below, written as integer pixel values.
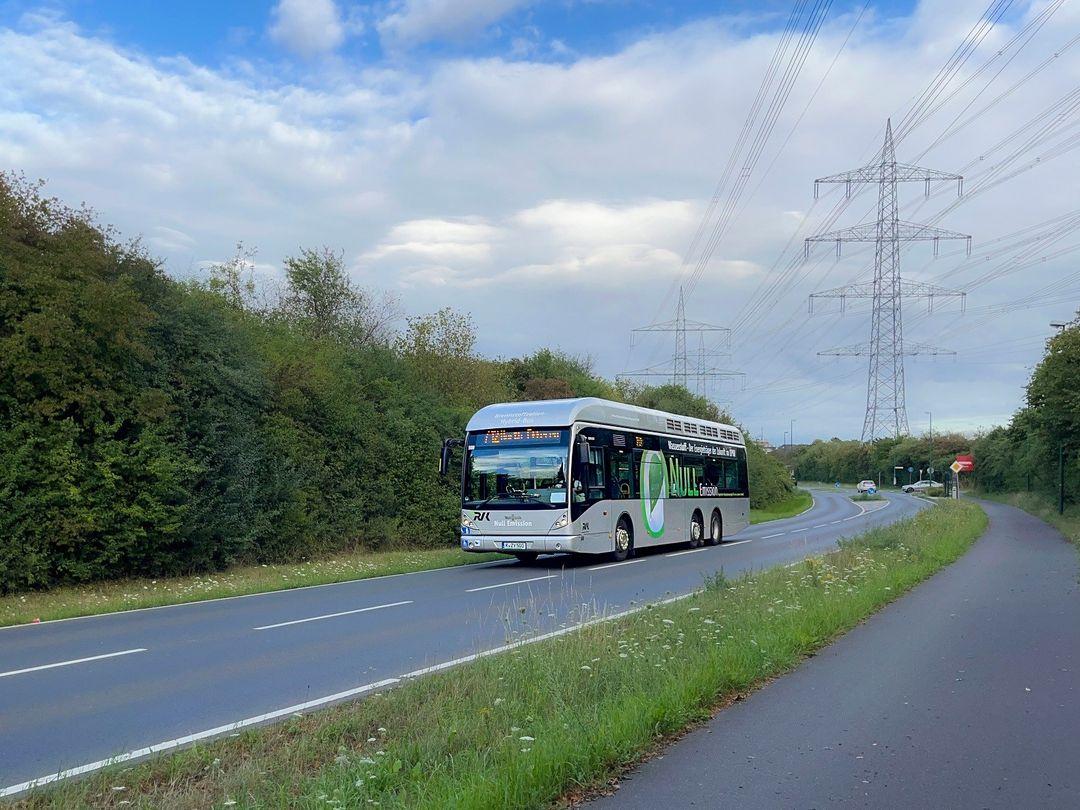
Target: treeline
(152, 427)
(1024, 456)
(850, 461)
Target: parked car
(866, 486)
(921, 486)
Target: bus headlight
(561, 522)
(466, 523)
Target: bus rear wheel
(526, 556)
(697, 530)
(624, 540)
(716, 529)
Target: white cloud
(414, 22)
(307, 27)
(501, 186)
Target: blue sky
(544, 165)
(215, 33)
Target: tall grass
(524, 728)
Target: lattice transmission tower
(886, 409)
(678, 369)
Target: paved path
(963, 693)
(73, 693)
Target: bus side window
(714, 473)
(596, 474)
(731, 470)
(620, 474)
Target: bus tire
(716, 529)
(624, 539)
(697, 530)
(527, 556)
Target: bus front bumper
(510, 544)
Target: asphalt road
(963, 693)
(74, 693)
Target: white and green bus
(589, 476)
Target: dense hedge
(153, 427)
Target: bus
(590, 476)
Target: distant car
(866, 486)
(921, 486)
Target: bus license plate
(516, 546)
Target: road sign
(956, 467)
(967, 463)
(929, 470)
(911, 469)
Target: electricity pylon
(678, 369)
(886, 408)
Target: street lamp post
(791, 433)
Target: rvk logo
(481, 516)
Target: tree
(234, 279)
(321, 300)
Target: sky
(545, 164)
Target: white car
(921, 486)
(866, 486)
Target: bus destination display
(522, 436)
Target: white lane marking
(278, 592)
(690, 551)
(73, 661)
(508, 584)
(333, 615)
(833, 523)
(771, 536)
(740, 542)
(178, 742)
(168, 745)
(820, 526)
(614, 565)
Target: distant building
(766, 445)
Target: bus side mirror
(583, 452)
(444, 458)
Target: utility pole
(931, 465)
(678, 370)
(791, 433)
(1061, 478)
(886, 407)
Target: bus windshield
(517, 468)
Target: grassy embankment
(524, 728)
(130, 594)
(1044, 509)
(799, 502)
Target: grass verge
(1045, 509)
(527, 727)
(799, 502)
(866, 496)
(130, 594)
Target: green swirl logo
(654, 487)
